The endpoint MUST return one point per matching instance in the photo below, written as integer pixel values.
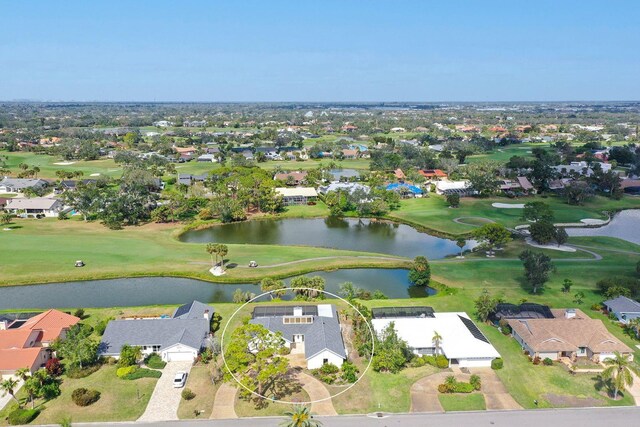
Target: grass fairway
(118, 400)
(48, 167)
(434, 213)
(41, 251)
(462, 402)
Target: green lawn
(52, 246)
(119, 399)
(198, 381)
(462, 402)
(48, 167)
(433, 213)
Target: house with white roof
(462, 343)
(297, 195)
(18, 185)
(26, 208)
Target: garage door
(179, 357)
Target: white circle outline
(224, 360)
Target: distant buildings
(18, 185)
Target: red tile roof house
(299, 177)
(27, 346)
(399, 175)
(435, 174)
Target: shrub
(444, 388)
(22, 416)
(102, 325)
(475, 382)
(187, 394)
(154, 361)
(142, 373)
(462, 387)
(77, 372)
(504, 327)
(51, 390)
(418, 362)
(349, 372)
(121, 372)
(79, 313)
(129, 355)
(442, 362)
(536, 360)
(84, 397)
(329, 368)
(53, 367)
(206, 356)
(547, 361)
(497, 364)
(284, 350)
(327, 379)
(430, 360)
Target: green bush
(121, 372)
(329, 368)
(444, 388)
(442, 362)
(142, 373)
(327, 379)
(349, 372)
(475, 382)
(22, 416)
(79, 313)
(430, 360)
(547, 361)
(418, 362)
(154, 361)
(497, 364)
(77, 372)
(84, 397)
(462, 387)
(187, 394)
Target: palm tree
(437, 341)
(23, 373)
(223, 250)
(620, 371)
(300, 416)
(8, 386)
(212, 250)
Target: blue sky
(328, 50)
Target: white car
(179, 379)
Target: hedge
(155, 361)
(22, 416)
(122, 372)
(77, 372)
(84, 397)
(142, 373)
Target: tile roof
(51, 322)
(567, 334)
(13, 359)
(33, 203)
(14, 338)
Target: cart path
(282, 264)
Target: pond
(339, 233)
(625, 225)
(169, 290)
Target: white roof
(457, 340)
(33, 203)
(452, 185)
(297, 191)
(325, 310)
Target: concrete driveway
(164, 402)
(6, 399)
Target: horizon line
(34, 101)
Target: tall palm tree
(8, 386)
(23, 373)
(620, 372)
(212, 250)
(300, 416)
(437, 341)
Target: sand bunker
(508, 205)
(64, 163)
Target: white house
(35, 206)
(312, 330)
(448, 187)
(18, 185)
(297, 195)
(461, 341)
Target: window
(289, 320)
(325, 361)
(156, 348)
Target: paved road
(586, 417)
(165, 399)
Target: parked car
(180, 379)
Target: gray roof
(323, 334)
(22, 183)
(623, 305)
(188, 327)
(192, 310)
